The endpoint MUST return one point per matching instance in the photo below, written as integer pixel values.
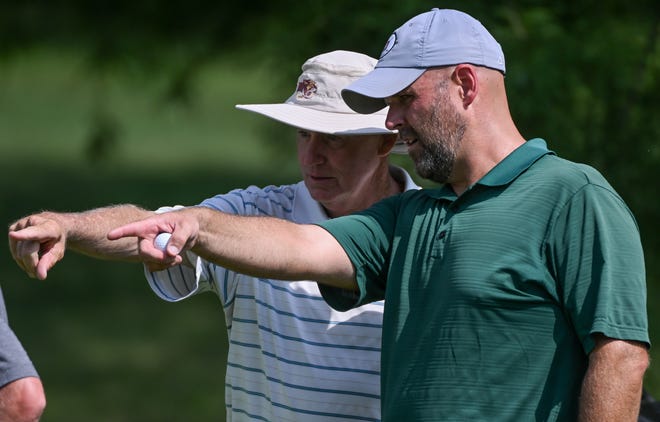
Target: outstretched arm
(257, 246)
(37, 242)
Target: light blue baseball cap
(441, 37)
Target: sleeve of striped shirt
(180, 282)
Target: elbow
(33, 401)
(26, 401)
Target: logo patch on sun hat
(389, 45)
(306, 89)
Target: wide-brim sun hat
(316, 104)
(441, 37)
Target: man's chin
(322, 195)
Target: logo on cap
(389, 45)
(306, 89)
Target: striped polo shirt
(492, 298)
(291, 356)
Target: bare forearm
(612, 386)
(86, 231)
(257, 246)
(271, 247)
(39, 241)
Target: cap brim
(321, 121)
(367, 94)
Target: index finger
(143, 229)
(37, 233)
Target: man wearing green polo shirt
(514, 292)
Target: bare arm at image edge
(22, 400)
(21, 392)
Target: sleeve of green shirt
(367, 239)
(597, 260)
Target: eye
(303, 134)
(334, 141)
(405, 98)
(399, 99)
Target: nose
(310, 150)
(394, 119)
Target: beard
(439, 138)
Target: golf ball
(160, 242)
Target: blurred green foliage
(108, 102)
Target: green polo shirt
(492, 298)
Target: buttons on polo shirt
(440, 240)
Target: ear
(465, 76)
(386, 144)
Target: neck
(491, 133)
(481, 153)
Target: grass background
(106, 347)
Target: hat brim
(321, 121)
(367, 94)
(326, 122)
